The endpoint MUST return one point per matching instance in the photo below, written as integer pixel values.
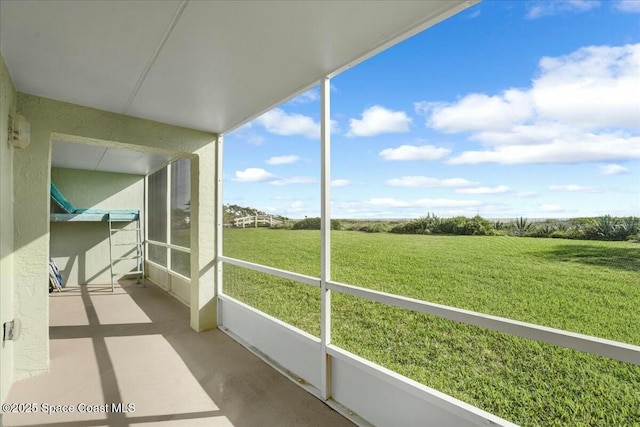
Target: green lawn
(589, 287)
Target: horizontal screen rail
(308, 280)
(584, 343)
(169, 246)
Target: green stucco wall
(31, 174)
(7, 105)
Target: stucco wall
(81, 249)
(31, 208)
(7, 105)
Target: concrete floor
(135, 347)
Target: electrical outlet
(11, 330)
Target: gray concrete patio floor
(135, 347)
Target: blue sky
(508, 109)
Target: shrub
(375, 227)
(521, 226)
(559, 234)
(424, 225)
(578, 232)
(399, 229)
(630, 226)
(367, 226)
(479, 226)
(460, 225)
(314, 224)
(543, 230)
(284, 225)
(603, 227)
(612, 228)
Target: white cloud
(255, 138)
(293, 180)
(425, 181)
(414, 152)
(484, 190)
(550, 208)
(526, 194)
(261, 175)
(474, 14)
(295, 209)
(591, 88)
(253, 175)
(477, 112)
(550, 8)
(279, 122)
(574, 188)
(613, 169)
(246, 132)
(311, 95)
(581, 107)
(377, 120)
(628, 6)
(562, 150)
(422, 203)
(340, 182)
(386, 207)
(282, 160)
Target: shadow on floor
(135, 346)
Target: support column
(325, 240)
(219, 222)
(168, 227)
(204, 217)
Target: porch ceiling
(208, 65)
(93, 157)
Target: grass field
(589, 287)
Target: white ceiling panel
(209, 65)
(129, 161)
(74, 155)
(226, 62)
(89, 53)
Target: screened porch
(130, 106)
